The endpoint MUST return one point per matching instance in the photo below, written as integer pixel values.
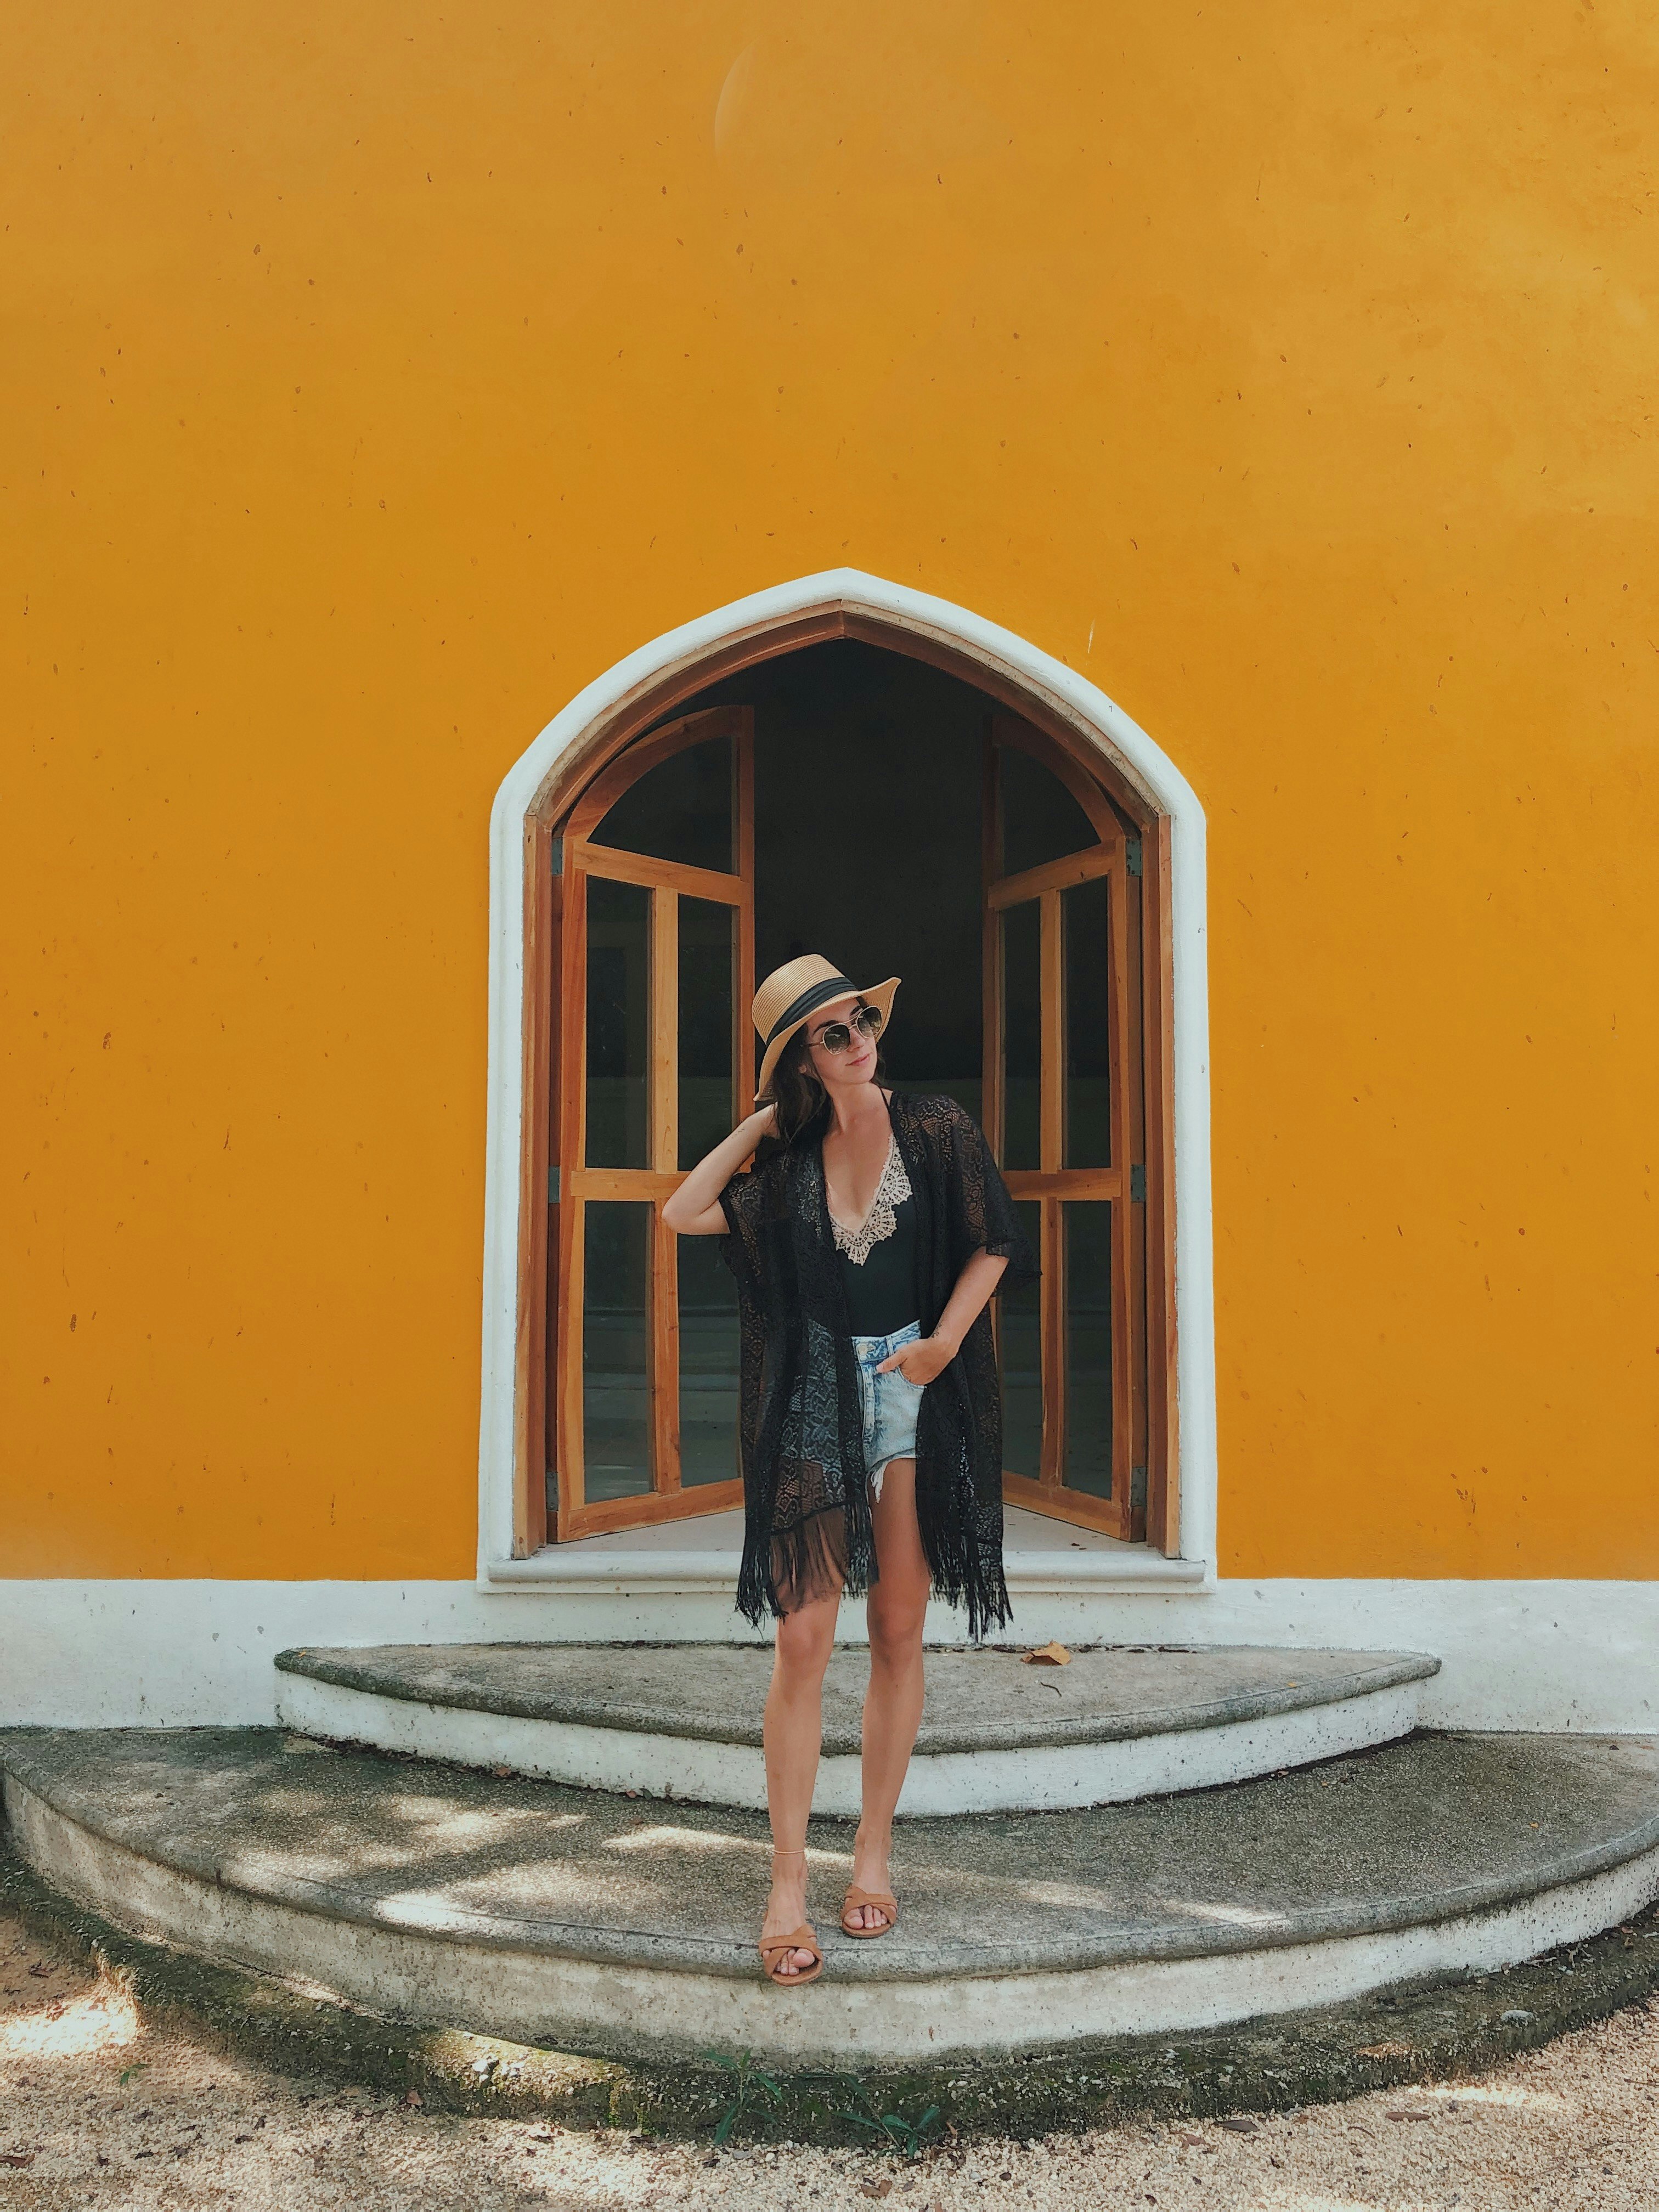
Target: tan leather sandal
(856, 1898)
(774, 1949)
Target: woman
(866, 1244)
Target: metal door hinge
(1138, 1185)
(552, 1186)
(1137, 1488)
(1132, 855)
(557, 851)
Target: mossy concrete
(531, 1912)
(1446, 2032)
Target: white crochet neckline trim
(878, 1224)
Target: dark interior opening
(868, 769)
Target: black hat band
(834, 986)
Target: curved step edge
(1031, 1779)
(582, 2004)
(375, 1670)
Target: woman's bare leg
(793, 1728)
(893, 1706)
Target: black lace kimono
(806, 1485)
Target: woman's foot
(786, 1910)
(870, 1856)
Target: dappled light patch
(1513, 2094)
(105, 2019)
(700, 1840)
(1220, 1914)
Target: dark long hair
(802, 1101)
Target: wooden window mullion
(536, 1531)
(1054, 876)
(1051, 1088)
(663, 1298)
(573, 1489)
(1122, 1214)
(1052, 1344)
(1135, 1088)
(573, 1149)
(1157, 972)
(663, 998)
(662, 1277)
(1051, 1124)
(530, 1423)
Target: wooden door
(655, 957)
(1064, 1112)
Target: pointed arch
(575, 745)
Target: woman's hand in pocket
(918, 1363)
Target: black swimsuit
(881, 1294)
(880, 1282)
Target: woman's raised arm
(694, 1209)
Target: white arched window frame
(586, 733)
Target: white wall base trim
(164, 1654)
(578, 1570)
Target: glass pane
(709, 1365)
(1020, 1336)
(1022, 1035)
(616, 1342)
(619, 1007)
(1041, 820)
(681, 809)
(707, 1110)
(1084, 912)
(1088, 1233)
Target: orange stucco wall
(374, 376)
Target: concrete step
(683, 1721)
(584, 1921)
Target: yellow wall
(374, 376)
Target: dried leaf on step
(1051, 1654)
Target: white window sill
(1040, 1557)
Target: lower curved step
(567, 1919)
(683, 1721)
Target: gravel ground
(95, 2109)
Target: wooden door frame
(1087, 728)
(571, 1183)
(1050, 1183)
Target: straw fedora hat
(791, 994)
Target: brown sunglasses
(835, 1037)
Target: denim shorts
(889, 1403)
